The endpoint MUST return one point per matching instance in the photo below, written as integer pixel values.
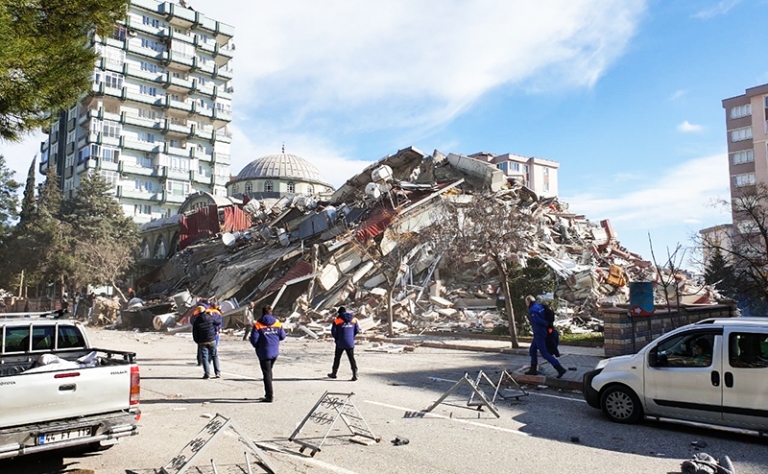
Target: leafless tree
(105, 262)
(667, 273)
(488, 227)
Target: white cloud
(679, 201)
(399, 63)
(721, 8)
(688, 127)
(677, 94)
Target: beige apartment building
(747, 126)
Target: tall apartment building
(746, 118)
(155, 122)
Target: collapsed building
(305, 257)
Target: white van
(714, 371)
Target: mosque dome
(281, 166)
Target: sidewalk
(582, 359)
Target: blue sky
(624, 94)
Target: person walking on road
(204, 331)
(540, 327)
(344, 330)
(265, 338)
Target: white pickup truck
(56, 391)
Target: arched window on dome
(269, 187)
(249, 187)
(145, 249)
(235, 189)
(291, 187)
(310, 190)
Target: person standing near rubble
(265, 338)
(344, 330)
(201, 307)
(204, 331)
(540, 327)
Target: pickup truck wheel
(621, 405)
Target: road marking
(306, 460)
(435, 415)
(240, 376)
(559, 397)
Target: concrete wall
(626, 334)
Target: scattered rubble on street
(306, 257)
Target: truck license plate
(63, 435)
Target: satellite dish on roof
(228, 239)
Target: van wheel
(621, 405)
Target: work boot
(560, 371)
(332, 375)
(532, 370)
(354, 376)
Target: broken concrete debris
(307, 257)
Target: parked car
(56, 391)
(714, 371)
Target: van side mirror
(657, 360)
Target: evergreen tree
(28, 204)
(102, 240)
(8, 199)
(535, 279)
(720, 274)
(46, 58)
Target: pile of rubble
(305, 257)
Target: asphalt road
(545, 432)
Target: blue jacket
(266, 336)
(538, 321)
(344, 330)
(204, 328)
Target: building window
(180, 163)
(154, 22)
(146, 137)
(147, 90)
(143, 186)
(742, 110)
(249, 187)
(145, 249)
(110, 79)
(110, 177)
(177, 188)
(746, 156)
(741, 134)
(269, 186)
(150, 67)
(152, 44)
(110, 129)
(120, 33)
(747, 179)
(310, 189)
(746, 227)
(291, 187)
(110, 154)
(545, 171)
(148, 114)
(142, 209)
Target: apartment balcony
(208, 68)
(222, 54)
(223, 135)
(173, 198)
(221, 31)
(221, 158)
(140, 26)
(170, 35)
(207, 46)
(70, 148)
(136, 48)
(43, 167)
(207, 90)
(44, 146)
(179, 61)
(197, 177)
(109, 165)
(220, 180)
(86, 165)
(225, 72)
(128, 169)
(175, 127)
(177, 15)
(200, 155)
(177, 106)
(177, 84)
(206, 134)
(132, 71)
(221, 117)
(166, 172)
(125, 192)
(69, 171)
(146, 147)
(135, 120)
(202, 111)
(141, 98)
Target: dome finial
(283, 148)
